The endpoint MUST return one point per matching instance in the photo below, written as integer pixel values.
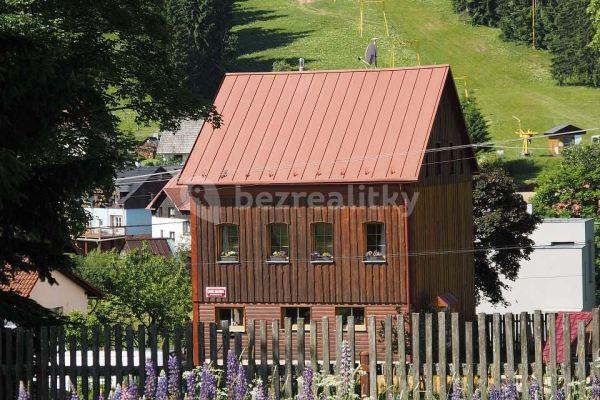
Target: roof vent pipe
(301, 64)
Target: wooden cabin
(562, 136)
(279, 222)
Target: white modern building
(560, 274)
(171, 213)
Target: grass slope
(508, 79)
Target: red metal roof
(574, 319)
(156, 246)
(177, 193)
(318, 127)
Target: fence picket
(107, 366)
(552, 342)
(43, 364)
(352, 340)
(401, 372)
(339, 337)
(416, 357)
(301, 351)
(537, 342)
(314, 356)
(73, 362)
(581, 373)
(213, 344)
(469, 358)
(524, 354)
(142, 355)
(118, 346)
(496, 369)
(264, 368)
(96, 361)
(389, 360)
(251, 349)
(428, 373)
(52, 353)
(510, 347)
(28, 359)
(275, 356)
(442, 373)
(154, 344)
(201, 343)
(483, 366)
(455, 347)
(372, 358)
(325, 339)
(85, 388)
(595, 339)
(288, 356)
(566, 365)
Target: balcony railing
(104, 232)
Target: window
(452, 161)
(438, 159)
(375, 235)
(357, 312)
(171, 212)
(186, 227)
(235, 317)
(294, 314)
(322, 242)
(279, 240)
(172, 235)
(230, 244)
(116, 220)
(159, 212)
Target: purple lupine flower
(208, 384)
(161, 387)
(476, 395)
(190, 384)
(232, 371)
(150, 385)
(23, 394)
(173, 384)
(241, 384)
(510, 391)
(117, 393)
(125, 391)
(307, 385)
(259, 392)
(495, 393)
(132, 390)
(457, 393)
(534, 390)
(347, 382)
(560, 394)
(74, 396)
(100, 396)
(595, 388)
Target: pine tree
(202, 44)
(515, 21)
(477, 126)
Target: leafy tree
(574, 60)
(594, 11)
(66, 67)
(571, 188)
(477, 125)
(201, 43)
(140, 288)
(502, 228)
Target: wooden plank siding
(441, 224)
(346, 281)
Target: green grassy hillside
(508, 79)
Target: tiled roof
(180, 141)
(319, 127)
(22, 283)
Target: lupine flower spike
(560, 394)
(173, 385)
(456, 390)
(208, 384)
(100, 396)
(241, 383)
(161, 387)
(595, 388)
(232, 369)
(510, 391)
(190, 385)
(534, 390)
(259, 392)
(150, 385)
(495, 393)
(117, 393)
(307, 385)
(75, 396)
(475, 395)
(23, 394)
(347, 381)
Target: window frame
(276, 259)
(171, 212)
(375, 259)
(318, 258)
(295, 325)
(232, 328)
(220, 236)
(357, 327)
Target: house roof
(568, 128)
(180, 141)
(157, 246)
(23, 283)
(177, 193)
(318, 127)
(574, 319)
(132, 179)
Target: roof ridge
(319, 71)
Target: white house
(560, 274)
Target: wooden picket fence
(422, 354)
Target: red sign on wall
(216, 292)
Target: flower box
(229, 259)
(278, 259)
(374, 258)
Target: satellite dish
(371, 53)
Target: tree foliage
(201, 43)
(571, 188)
(502, 228)
(594, 11)
(477, 125)
(481, 12)
(574, 60)
(66, 67)
(140, 288)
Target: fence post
(326, 360)
(416, 356)
(402, 384)
(372, 358)
(581, 370)
(469, 358)
(428, 373)
(339, 337)
(264, 368)
(537, 342)
(251, 349)
(275, 350)
(552, 341)
(483, 367)
(389, 360)
(289, 373)
(497, 372)
(364, 377)
(455, 347)
(301, 351)
(524, 354)
(566, 365)
(510, 348)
